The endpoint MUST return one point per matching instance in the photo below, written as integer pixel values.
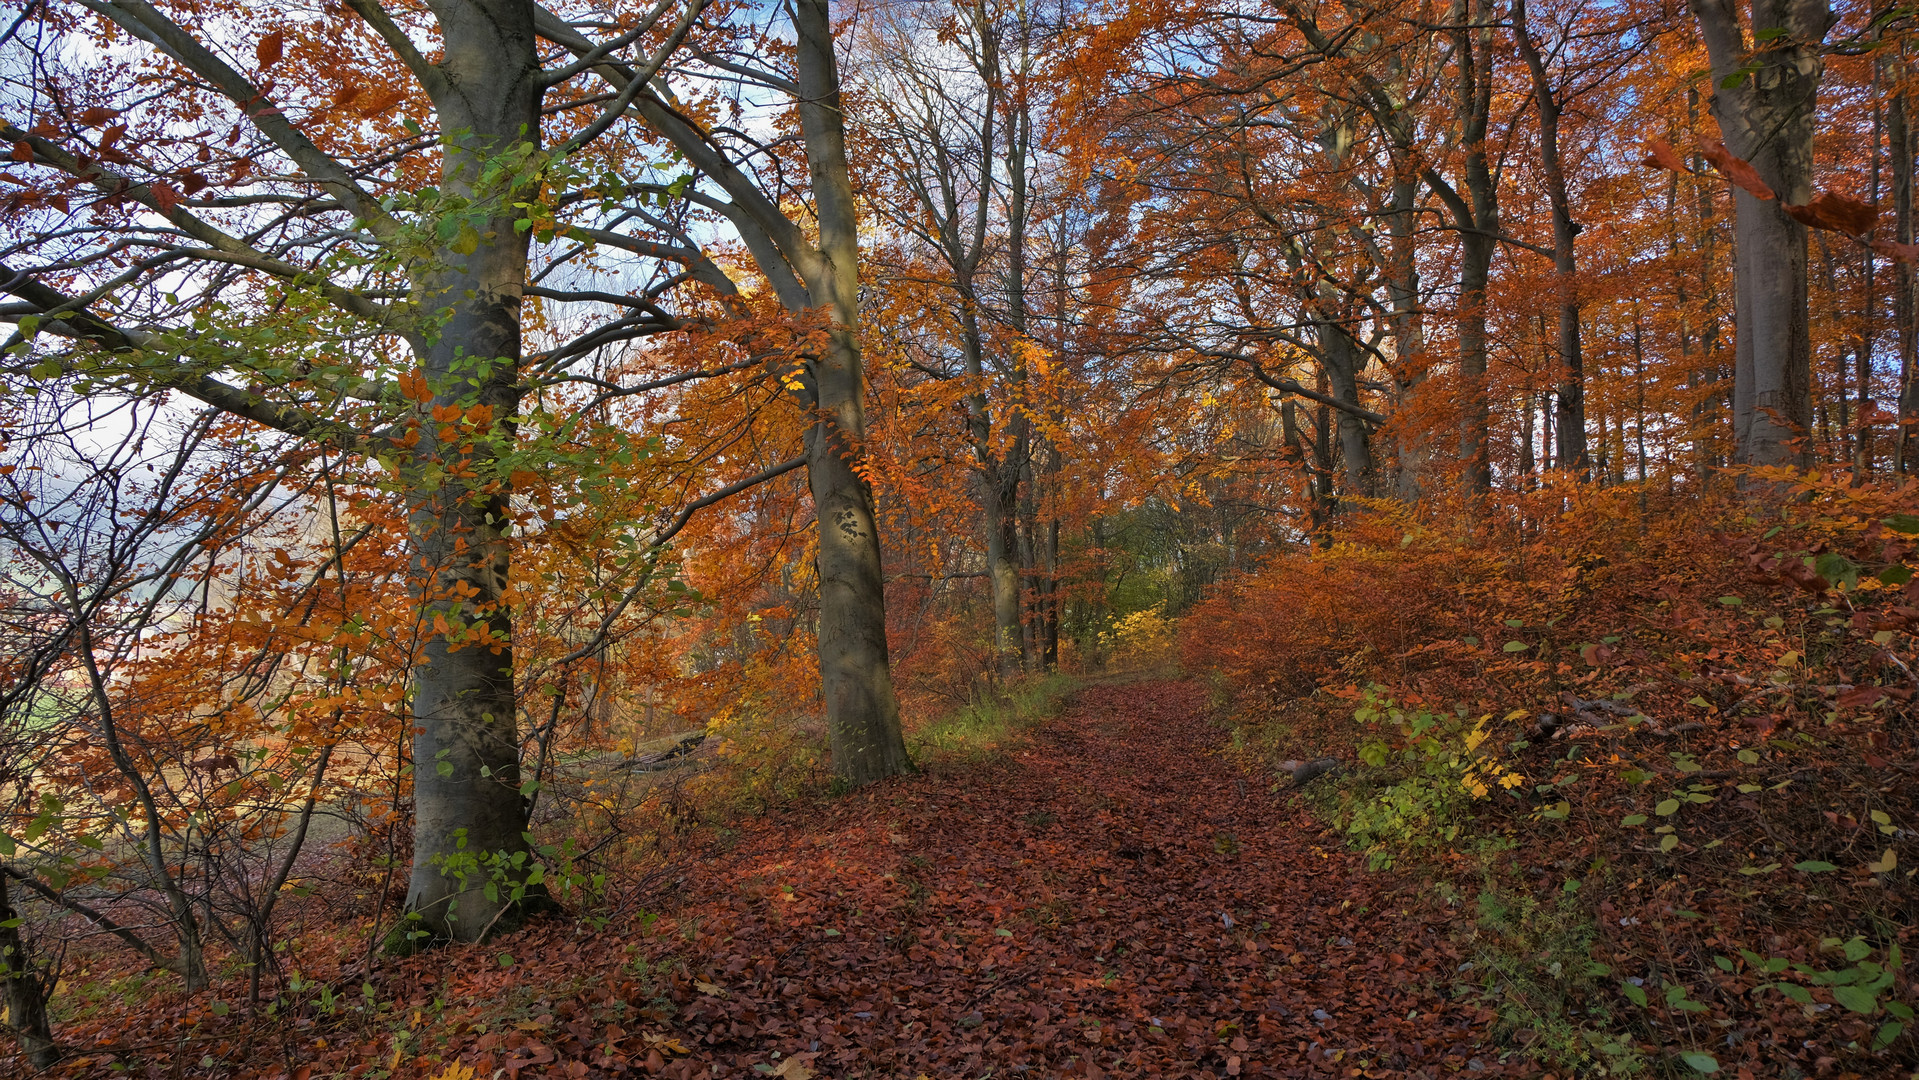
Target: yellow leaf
(714, 989)
(1887, 863)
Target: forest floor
(1112, 898)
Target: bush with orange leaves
(1710, 697)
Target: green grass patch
(1000, 718)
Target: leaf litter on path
(1112, 900)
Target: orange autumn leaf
(1660, 154)
(1835, 213)
(1735, 169)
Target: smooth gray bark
(1765, 101)
(467, 803)
(862, 712)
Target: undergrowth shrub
(1145, 639)
(1423, 768)
(1692, 741)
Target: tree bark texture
(862, 713)
(1571, 419)
(1767, 114)
(26, 989)
(467, 800)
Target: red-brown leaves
(1661, 155)
(1735, 169)
(1835, 213)
(1894, 250)
(1828, 211)
(270, 50)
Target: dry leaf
(1737, 170)
(1661, 155)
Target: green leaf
(1666, 807)
(1796, 992)
(1700, 1061)
(1515, 623)
(466, 242)
(219, 1008)
(1887, 1032)
(506, 960)
(1836, 567)
(1723, 963)
(1633, 819)
(1857, 998)
(1749, 757)
(1905, 523)
(1857, 950)
(1732, 601)
(1897, 574)
(1669, 841)
(1514, 646)
(1633, 993)
(1813, 866)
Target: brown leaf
(1834, 213)
(270, 50)
(96, 116)
(22, 151)
(1737, 170)
(1893, 250)
(1860, 697)
(1661, 155)
(380, 104)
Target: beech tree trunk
(1571, 420)
(467, 802)
(26, 989)
(1765, 103)
(1899, 144)
(862, 713)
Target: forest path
(1113, 899)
